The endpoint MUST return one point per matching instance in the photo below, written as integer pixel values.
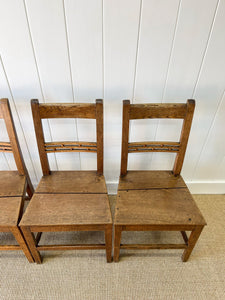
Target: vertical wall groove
(11, 94)
(137, 50)
(206, 48)
(103, 54)
(144, 51)
(71, 73)
(171, 52)
(167, 71)
(209, 132)
(37, 68)
(196, 84)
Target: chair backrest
(12, 146)
(68, 110)
(155, 111)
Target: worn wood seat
(10, 211)
(73, 182)
(157, 207)
(68, 200)
(156, 200)
(15, 186)
(67, 209)
(138, 180)
(12, 183)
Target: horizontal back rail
(67, 110)
(153, 147)
(5, 147)
(71, 147)
(156, 111)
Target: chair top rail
(67, 110)
(158, 110)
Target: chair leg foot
(19, 237)
(108, 243)
(29, 237)
(191, 242)
(117, 239)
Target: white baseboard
(206, 187)
(196, 187)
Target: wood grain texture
(152, 246)
(71, 247)
(40, 136)
(184, 137)
(5, 147)
(67, 110)
(23, 245)
(125, 137)
(191, 242)
(10, 210)
(157, 207)
(153, 147)
(72, 182)
(157, 110)
(70, 147)
(67, 209)
(12, 184)
(99, 135)
(29, 237)
(140, 180)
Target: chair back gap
(183, 111)
(68, 110)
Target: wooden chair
(156, 200)
(68, 200)
(13, 186)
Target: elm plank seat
(156, 200)
(15, 186)
(68, 200)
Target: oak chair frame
(183, 111)
(13, 147)
(68, 110)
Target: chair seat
(12, 184)
(10, 211)
(67, 209)
(157, 207)
(141, 180)
(72, 182)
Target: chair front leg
(191, 242)
(108, 242)
(117, 239)
(29, 237)
(20, 240)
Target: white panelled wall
(142, 50)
